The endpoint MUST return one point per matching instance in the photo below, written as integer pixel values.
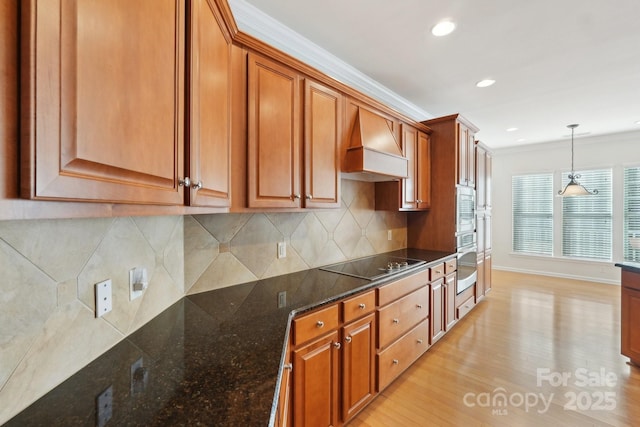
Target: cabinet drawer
(397, 318)
(450, 266)
(315, 324)
(395, 359)
(358, 306)
(466, 307)
(436, 272)
(395, 290)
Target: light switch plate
(282, 250)
(104, 298)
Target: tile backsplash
(48, 329)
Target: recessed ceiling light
(638, 122)
(512, 129)
(485, 83)
(521, 140)
(443, 28)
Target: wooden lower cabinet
(315, 382)
(393, 360)
(437, 310)
(358, 365)
(630, 316)
(450, 317)
(343, 354)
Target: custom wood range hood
(373, 153)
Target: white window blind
(532, 208)
(587, 220)
(631, 214)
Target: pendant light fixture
(574, 188)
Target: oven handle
(466, 249)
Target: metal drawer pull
(197, 185)
(396, 321)
(419, 305)
(337, 345)
(347, 339)
(320, 324)
(362, 306)
(288, 366)
(396, 361)
(419, 341)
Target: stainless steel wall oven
(466, 238)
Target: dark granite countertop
(213, 358)
(629, 266)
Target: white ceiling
(556, 62)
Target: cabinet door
(209, 144)
(315, 383)
(358, 365)
(471, 159)
(463, 155)
(322, 132)
(103, 117)
(480, 280)
(273, 134)
(487, 272)
(481, 195)
(437, 314)
(423, 198)
(450, 301)
(488, 166)
(630, 319)
(411, 183)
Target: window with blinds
(631, 240)
(532, 209)
(587, 220)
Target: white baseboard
(564, 276)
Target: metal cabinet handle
(337, 345)
(309, 197)
(418, 305)
(362, 306)
(185, 182)
(197, 185)
(319, 324)
(296, 196)
(396, 321)
(419, 341)
(347, 339)
(288, 366)
(396, 361)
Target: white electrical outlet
(104, 298)
(282, 249)
(389, 237)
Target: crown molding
(258, 24)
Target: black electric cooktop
(373, 267)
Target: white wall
(614, 151)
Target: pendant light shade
(574, 188)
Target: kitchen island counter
(212, 358)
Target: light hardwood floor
(526, 334)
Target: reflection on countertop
(210, 359)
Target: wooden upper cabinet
(410, 184)
(323, 117)
(209, 144)
(273, 134)
(102, 116)
(466, 155)
(414, 192)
